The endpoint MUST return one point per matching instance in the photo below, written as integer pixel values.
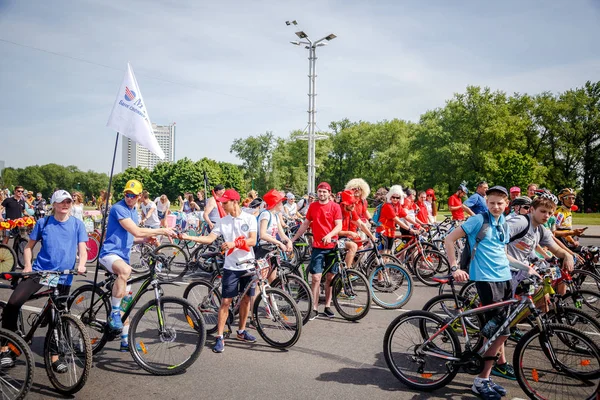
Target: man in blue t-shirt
(121, 232)
(490, 270)
(477, 200)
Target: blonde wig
(359, 183)
(395, 190)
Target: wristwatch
(453, 268)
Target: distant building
(135, 155)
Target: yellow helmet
(133, 186)
(566, 192)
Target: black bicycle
(67, 341)
(16, 380)
(166, 335)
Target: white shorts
(108, 260)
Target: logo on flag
(129, 94)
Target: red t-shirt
(454, 201)
(386, 217)
(423, 215)
(347, 218)
(323, 217)
(360, 209)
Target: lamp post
(312, 74)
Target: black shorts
(234, 283)
(387, 242)
(491, 293)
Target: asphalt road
(333, 359)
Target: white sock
(115, 302)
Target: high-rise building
(135, 155)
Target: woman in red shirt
(390, 215)
(361, 190)
(423, 215)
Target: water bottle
(126, 301)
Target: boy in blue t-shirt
(62, 238)
(491, 273)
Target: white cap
(59, 196)
(290, 195)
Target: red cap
(515, 189)
(430, 192)
(272, 198)
(324, 185)
(229, 195)
(348, 197)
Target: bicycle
(16, 381)
(166, 335)
(351, 293)
(66, 339)
(422, 258)
(278, 320)
(431, 355)
(8, 258)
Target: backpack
(376, 215)
(257, 245)
(468, 255)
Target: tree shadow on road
(379, 375)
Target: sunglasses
(525, 207)
(19, 191)
(500, 233)
(131, 195)
(396, 197)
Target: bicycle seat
(443, 279)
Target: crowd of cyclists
(503, 229)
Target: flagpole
(104, 216)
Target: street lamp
(312, 74)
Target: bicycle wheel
(166, 340)
(177, 262)
(68, 340)
(19, 248)
(578, 319)
(16, 381)
(8, 259)
(586, 280)
(445, 306)
(138, 260)
(278, 320)
(95, 318)
(351, 297)
(585, 300)
(93, 249)
(299, 291)
(202, 295)
(391, 286)
(373, 263)
(579, 374)
(404, 350)
(428, 264)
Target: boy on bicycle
(489, 268)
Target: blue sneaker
(219, 346)
(485, 391)
(115, 322)
(246, 337)
(499, 389)
(125, 347)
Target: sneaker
(516, 335)
(313, 314)
(60, 367)
(115, 322)
(328, 313)
(499, 389)
(125, 347)
(244, 336)
(219, 346)
(346, 296)
(7, 359)
(251, 323)
(504, 371)
(485, 391)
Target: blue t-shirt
(59, 245)
(490, 263)
(118, 241)
(477, 203)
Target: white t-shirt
(152, 221)
(272, 227)
(77, 211)
(291, 209)
(162, 207)
(231, 228)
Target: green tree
(255, 153)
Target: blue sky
(225, 69)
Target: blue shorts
(319, 260)
(234, 283)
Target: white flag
(130, 117)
